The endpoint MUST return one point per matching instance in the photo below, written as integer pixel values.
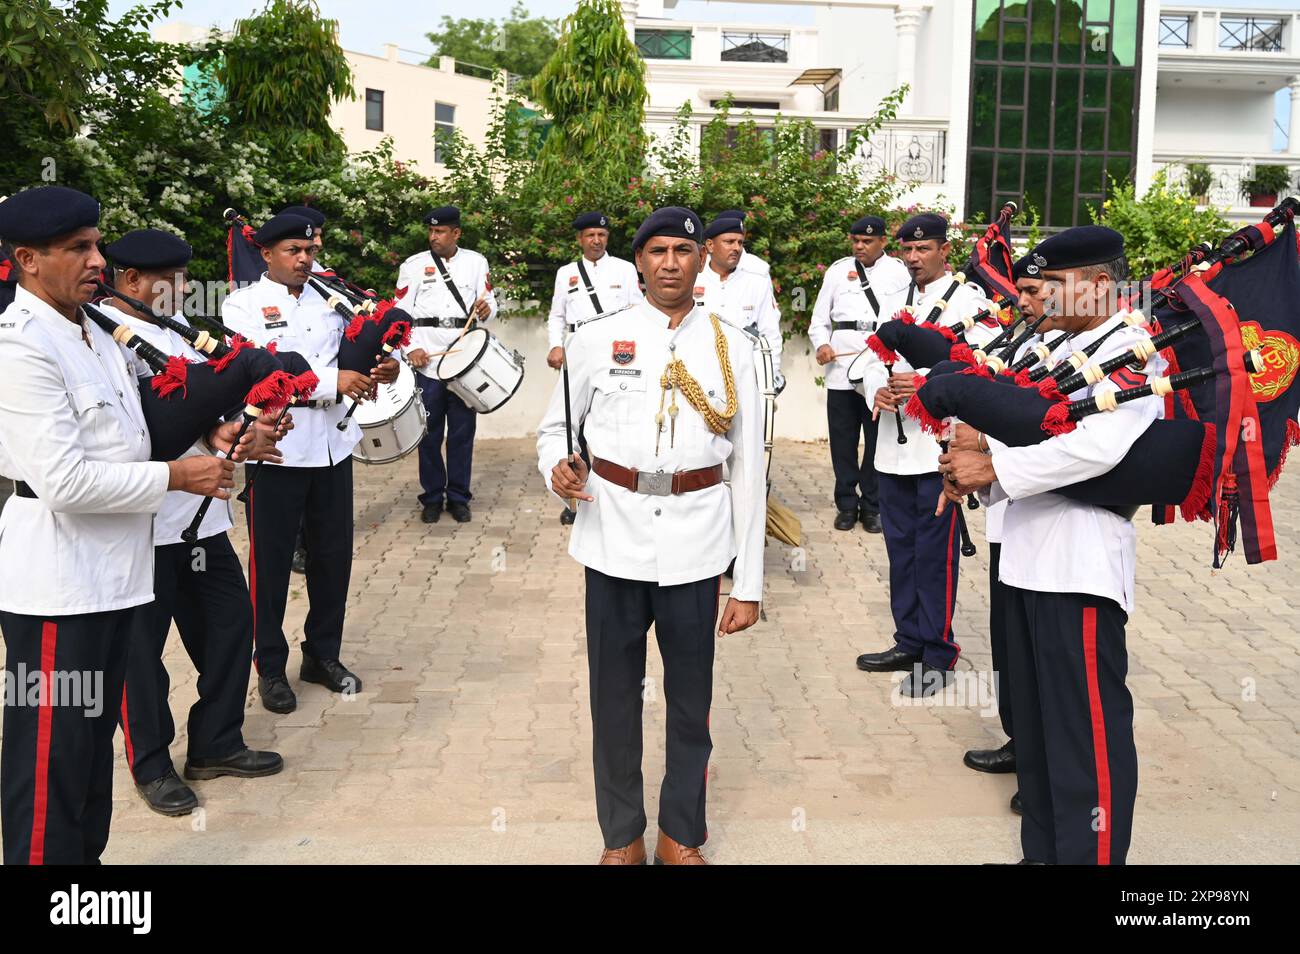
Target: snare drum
(393, 424)
(767, 387)
(481, 371)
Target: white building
(1045, 99)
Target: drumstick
(846, 354)
(568, 424)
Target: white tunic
(841, 298)
(422, 293)
(665, 539)
(615, 282)
(751, 263)
(743, 299)
(71, 427)
(267, 312)
(920, 455)
(1056, 545)
(178, 507)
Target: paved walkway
(472, 740)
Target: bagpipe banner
(991, 259)
(243, 256)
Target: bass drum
(481, 371)
(393, 424)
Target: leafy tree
(281, 70)
(520, 44)
(1161, 226)
(594, 90)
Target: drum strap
(866, 288)
(451, 286)
(591, 291)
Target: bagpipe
(1229, 315)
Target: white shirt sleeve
(1093, 448)
(768, 318)
(37, 424)
(748, 482)
(482, 289)
(555, 321)
(552, 445)
(819, 325)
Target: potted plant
(1199, 180)
(1264, 186)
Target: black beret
(671, 220)
(868, 225)
(1075, 248)
(315, 216)
(722, 225)
(1021, 268)
(149, 249)
(443, 215)
(590, 220)
(286, 225)
(927, 225)
(45, 213)
(733, 214)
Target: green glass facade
(1054, 93)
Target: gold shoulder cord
(676, 376)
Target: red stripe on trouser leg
(1098, 732)
(947, 608)
(126, 734)
(44, 731)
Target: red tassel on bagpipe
(1049, 388)
(882, 352)
(916, 410)
(1291, 440)
(905, 316)
(398, 334)
(1197, 504)
(237, 344)
(384, 306)
(356, 325)
(981, 370)
(172, 378)
(946, 332)
(273, 392)
(962, 352)
(1023, 379)
(305, 384)
(1057, 419)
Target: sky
(366, 25)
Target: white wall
(1213, 121)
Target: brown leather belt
(657, 483)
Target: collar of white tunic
(46, 313)
(1083, 339)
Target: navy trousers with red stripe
(319, 499)
(619, 615)
(202, 587)
(924, 558)
(1075, 757)
(56, 763)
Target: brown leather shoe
(633, 854)
(669, 852)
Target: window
(444, 127)
(831, 99)
(755, 47)
(748, 103)
(1053, 99)
(664, 44)
(375, 109)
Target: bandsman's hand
(258, 443)
(569, 477)
(964, 437)
(948, 495)
(354, 384)
(417, 358)
(737, 615)
(481, 309)
(386, 371)
(204, 476)
(825, 354)
(555, 357)
(903, 385)
(884, 401)
(967, 471)
(280, 425)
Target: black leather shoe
(891, 660)
(924, 681)
(276, 694)
(567, 516)
(248, 763)
(458, 511)
(330, 673)
(871, 522)
(169, 795)
(431, 513)
(1019, 809)
(299, 564)
(846, 520)
(994, 761)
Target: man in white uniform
(1069, 572)
(657, 526)
(742, 298)
(444, 289)
(200, 586)
(846, 312)
(749, 262)
(76, 539)
(924, 549)
(596, 283)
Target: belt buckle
(446, 323)
(658, 484)
(863, 325)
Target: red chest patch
(271, 313)
(699, 291)
(431, 270)
(573, 280)
(624, 352)
(853, 276)
(1127, 378)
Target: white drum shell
(481, 371)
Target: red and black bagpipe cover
(8, 281)
(991, 260)
(921, 345)
(1166, 465)
(1252, 303)
(361, 346)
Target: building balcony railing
(1228, 31)
(1227, 174)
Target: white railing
(1247, 33)
(1227, 172)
